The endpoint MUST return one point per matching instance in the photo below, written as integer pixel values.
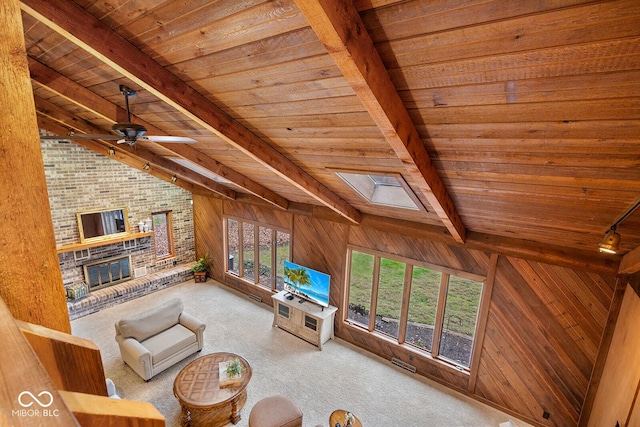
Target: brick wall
(79, 179)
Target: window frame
(446, 273)
(402, 183)
(172, 250)
(256, 251)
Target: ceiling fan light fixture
(129, 130)
(611, 242)
(125, 132)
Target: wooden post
(23, 379)
(30, 278)
(73, 363)
(91, 410)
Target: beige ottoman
(275, 411)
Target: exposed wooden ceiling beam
(373, 4)
(340, 28)
(66, 120)
(630, 263)
(89, 100)
(74, 23)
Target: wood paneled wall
(209, 232)
(256, 213)
(617, 396)
(542, 339)
(322, 245)
(544, 325)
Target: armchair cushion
(144, 325)
(168, 342)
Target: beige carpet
(339, 377)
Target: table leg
(275, 314)
(186, 417)
(235, 415)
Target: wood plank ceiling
(514, 119)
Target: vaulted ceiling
(512, 119)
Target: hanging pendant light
(610, 242)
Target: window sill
(441, 363)
(236, 276)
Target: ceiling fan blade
(167, 139)
(131, 132)
(83, 136)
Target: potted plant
(349, 419)
(230, 372)
(201, 268)
(234, 368)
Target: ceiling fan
(126, 132)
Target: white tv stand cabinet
(306, 320)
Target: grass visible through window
(460, 311)
(390, 296)
(423, 303)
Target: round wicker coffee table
(203, 401)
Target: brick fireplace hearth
(129, 290)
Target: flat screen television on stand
(306, 283)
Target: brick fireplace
(79, 179)
(108, 272)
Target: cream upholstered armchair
(154, 340)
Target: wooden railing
(73, 363)
(50, 378)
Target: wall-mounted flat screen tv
(307, 283)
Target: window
(459, 320)
(361, 282)
(163, 234)
(382, 189)
(426, 308)
(283, 250)
(265, 256)
(233, 239)
(248, 258)
(255, 252)
(389, 303)
(423, 302)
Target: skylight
(379, 189)
(199, 169)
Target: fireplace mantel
(77, 246)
